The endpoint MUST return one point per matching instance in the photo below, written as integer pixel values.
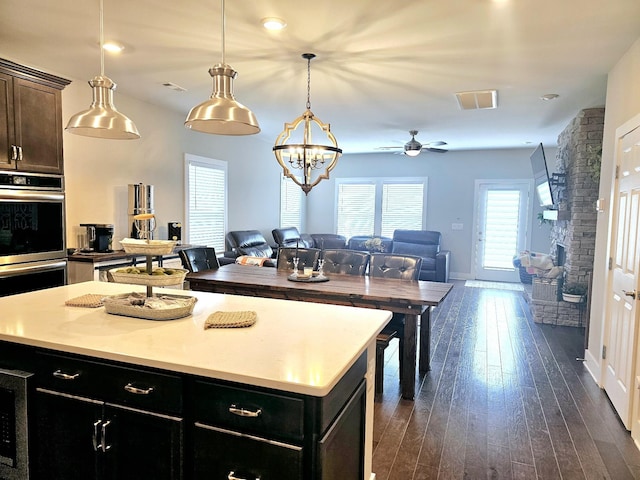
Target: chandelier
(102, 119)
(295, 149)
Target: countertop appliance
(99, 237)
(140, 202)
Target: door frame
(527, 221)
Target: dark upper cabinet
(30, 119)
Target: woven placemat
(90, 300)
(243, 318)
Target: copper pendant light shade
(222, 114)
(102, 119)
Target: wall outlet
(457, 226)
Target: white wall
(98, 171)
(450, 189)
(623, 103)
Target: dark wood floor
(505, 398)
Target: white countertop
(294, 346)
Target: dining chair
(343, 261)
(197, 259)
(307, 257)
(400, 267)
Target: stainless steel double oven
(32, 232)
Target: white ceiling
(383, 67)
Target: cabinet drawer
(111, 383)
(267, 414)
(223, 454)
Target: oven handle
(19, 269)
(30, 195)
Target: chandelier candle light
(303, 154)
(102, 119)
(222, 114)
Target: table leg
(408, 377)
(425, 341)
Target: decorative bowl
(148, 247)
(119, 275)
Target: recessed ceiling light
(549, 96)
(113, 47)
(273, 23)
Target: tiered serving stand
(152, 307)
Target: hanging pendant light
(302, 154)
(102, 119)
(222, 114)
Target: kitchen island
(297, 374)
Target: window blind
(290, 204)
(206, 200)
(379, 206)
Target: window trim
(190, 159)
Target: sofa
(425, 244)
(291, 237)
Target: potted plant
(574, 292)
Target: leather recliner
(425, 244)
(248, 242)
(290, 237)
(197, 259)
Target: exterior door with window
(501, 226)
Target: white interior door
(501, 227)
(621, 324)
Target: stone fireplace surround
(573, 234)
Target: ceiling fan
(413, 147)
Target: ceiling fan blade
(438, 143)
(435, 150)
(389, 148)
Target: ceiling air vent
(477, 99)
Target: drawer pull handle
(138, 391)
(232, 476)
(103, 441)
(65, 376)
(94, 437)
(241, 412)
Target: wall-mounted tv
(541, 177)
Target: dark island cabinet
(91, 418)
(30, 119)
(97, 421)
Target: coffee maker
(99, 237)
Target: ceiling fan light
(222, 114)
(412, 147)
(412, 153)
(102, 119)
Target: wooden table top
(347, 287)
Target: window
(369, 206)
(206, 201)
(290, 204)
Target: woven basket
(152, 280)
(546, 289)
(147, 247)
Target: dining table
(414, 299)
